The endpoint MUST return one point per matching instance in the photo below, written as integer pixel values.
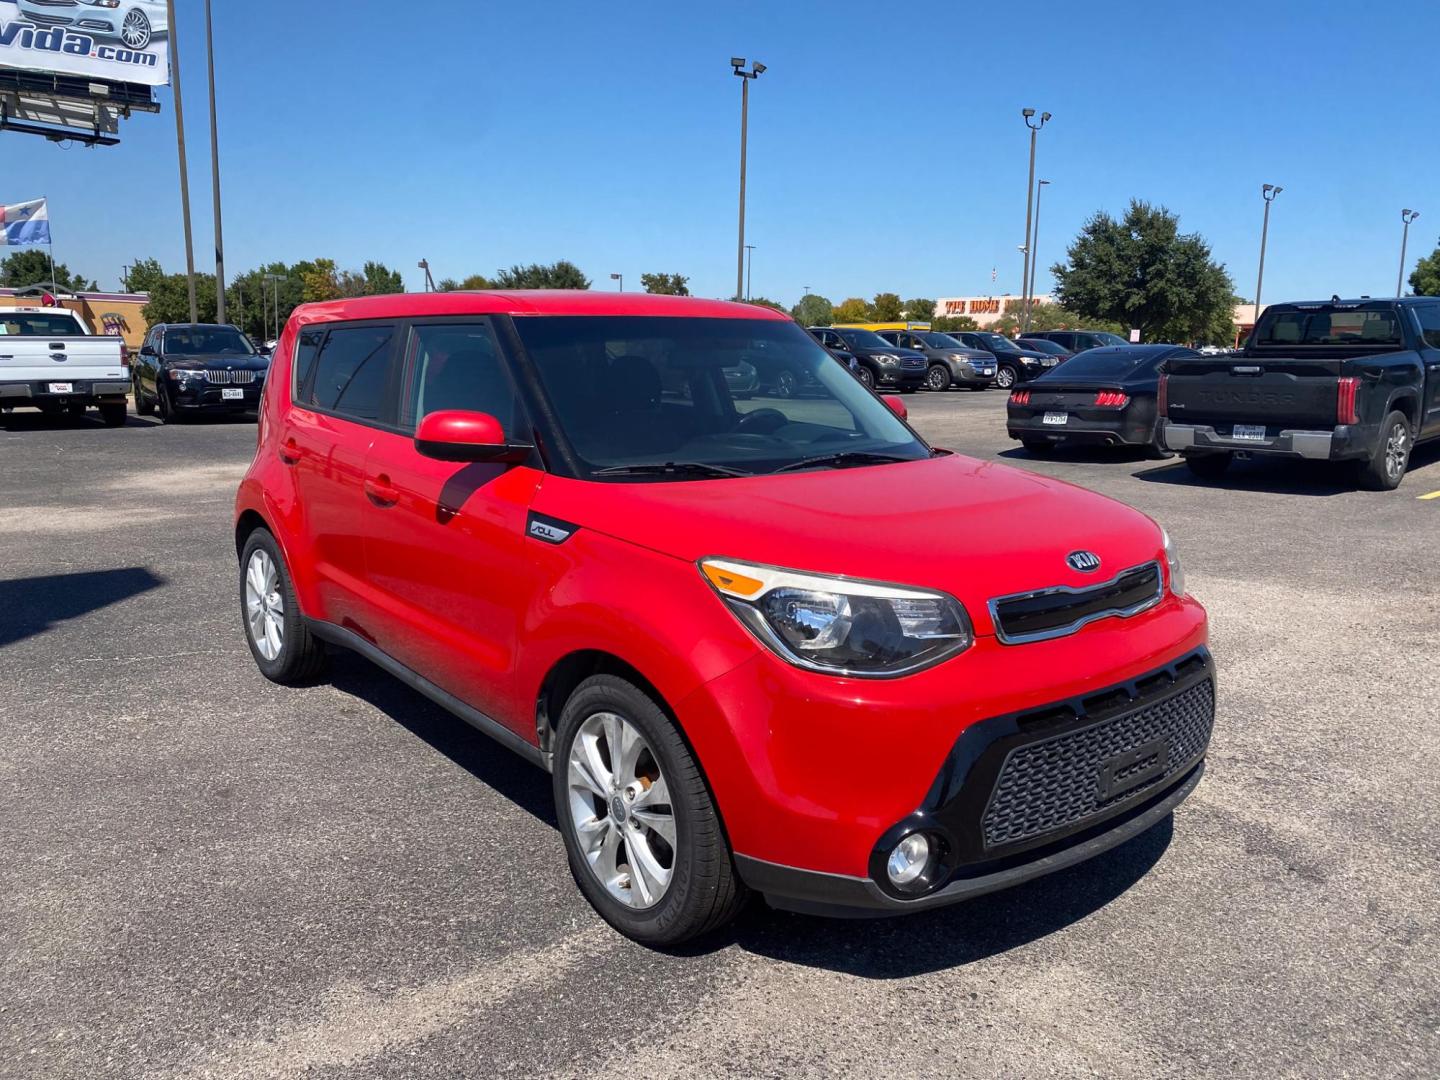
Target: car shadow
(1271, 476)
(31, 420)
(1080, 455)
(32, 605)
(902, 947)
(527, 786)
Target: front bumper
(967, 375)
(1340, 443)
(898, 376)
(204, 396)
(1025, 794)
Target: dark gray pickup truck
(1338, 380)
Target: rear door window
(351, 370)
(458, 366)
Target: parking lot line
(1432, 495)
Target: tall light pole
(1406, 216)
(1029, 115)
(620, 278)
(215, 172)
(180, 145)
(275, 292)
(1268, 193)
(424, 264)
(737, 64)
(1035, 241)
(749, 266)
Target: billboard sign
(110, 40)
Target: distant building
(119, 314)
(985, 310)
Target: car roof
(1134, 350)
(522, 302)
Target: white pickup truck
(49, 360)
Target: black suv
(881, 366)
(1079, 340)
(194, 367)
(1012, 363)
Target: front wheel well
(568, 673)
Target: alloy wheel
(1005, 378)
(938, 379)
(786, 384)
(264, 606)
(135, 30)
(867, 377)
(620, 810)
(1397, 452)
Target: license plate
(62, 388)
(232, 395)
(1248, 431)
(1057, 418)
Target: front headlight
(185, 374)
(886, 358)
(1172, 564)
(839, 626)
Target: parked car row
(1349, 381)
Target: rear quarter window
(350, 371)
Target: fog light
(908, 859)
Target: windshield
(207, 341)
(750, 395)
(1330, 326)
(864, 339)
(13, 323)
(1044, 345)
(1109, 362)
(938, 340)
(997, 342)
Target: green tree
(251, 302)
(919, 310)
(1142, 272)
(559, 275)
(143, 274)
(1425, 278)
(1053, 317)
(666, 284)
(854, 310)
(765, 301)
(885, 307)
(170, 299)
(321, 281)
(947, 323)
(32, 267)
(474, 281)
(813, 310)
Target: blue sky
(887, 151)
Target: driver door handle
(380, 491)
(290, 452)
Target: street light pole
(1268, 193)
(1035, 241)
(737, 64)
(1029, 115)
(215, 173)
(1406, 216)
(184, 169)
(749, 266)
(620, 278)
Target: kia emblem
(1087, 562)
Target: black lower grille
(1056, 783)
(1055, 612)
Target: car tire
(938, 377)
(1386, 466)
(1208, 466)
(164, 406)
(1006, 377)
(1155, 452)
(787, 385)
(114, 414)
(866, 377)
(1038, 447)
(284, 649)
(142, 406)
(701, 890)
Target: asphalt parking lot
(205, 875)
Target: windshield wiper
(843, 459)
(677, 469)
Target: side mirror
(147, 350)
(263, 349)
(458, 435)
(897, 406)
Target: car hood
(975, 529)
(237, 363)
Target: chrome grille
(229, 378)
(1051, 613)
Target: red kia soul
(763, 644)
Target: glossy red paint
(897, 406)
(431, 562)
